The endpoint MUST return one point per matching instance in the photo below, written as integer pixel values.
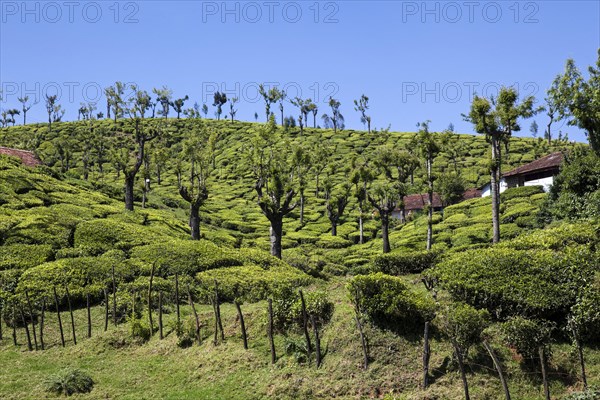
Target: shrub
(139, 329)
(388, 302)
(522, 191)
(591, 394)
(508, 281)
(404, 263)
(526, 335)
(463, 324)
(69, 381)
(24, 255)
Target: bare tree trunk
(114, 293)
(1, 309)
(42, 313)
(270, 332)
(195, 221)
(160, 315)
(498, 366)
(544, 372)
(242, 324)
(581, 363)
(461, 366)
(385, 223)
(31, 319)
(105, 310)
(60, 326)
(150, 321)
(426, 355)
(305, 324)
(275, 236)
(363, 339)
(71, 313)
(129, 196)
(14, 324)
(89, 315)
(177, 300)
(317, 341)
(218, 311)
(494, 188)
(430, 210)
(361, 228)
(26, 327)
(302, 208)
(195, 315)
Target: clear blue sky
(415, 60)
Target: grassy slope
(161, 370)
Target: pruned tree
(115, 101)
(219, 99)
(25, 107)
(384, 197)
(178, 105)
(429, 148)
(577, 100)
(336, 119)
(361, 176)
(498, 119)
(362, 105)
(13, 112)
(163, 97)
(269, 160)
(281, 99)
(301, 162)
(232, 110)
(197, 158)
(51, 106)
(271, 96)
(336, 205)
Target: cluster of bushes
(399, 263)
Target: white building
(540, 172)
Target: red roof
(471, 194)
(28, 158)
(550, 162)
(420, 201)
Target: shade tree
(362, 105)
(219, 99)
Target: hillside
(60, 231)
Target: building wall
(546, 183)
(487, 189)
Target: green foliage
(508, 281)
(527, 335)
(69, 381)
(396, 263)
(388, 301)
(463, 324)
(522, 191)
(592, 394)
(287, 307)
(139, 329)
(24, 255)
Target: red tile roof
(28, 158)
(471, 194)
(420, 201)
(550, 162)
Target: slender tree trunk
(195, 221)
(129, 196)
(363, 340)
(494, 188)
(177, 300)
(333, 228)
(270, 332)
(544, 372)
(498, 366)
(14, 325)
(581, 363)
(42, 313)
(302, 208)
(114, 293)
(430, 210)
(89, 315)
(26, 327)
(31, 319)
(195, 315)
(361, 229)
(1, 309)
(426, 355)
(216, 334)
(242, 324)
(461, 366)
(150, 321)
(276, 233)
(60, 326)
(385, 223)
(71, 313)
(218, 310)
(105, 310)
(317, 341)
(160, 315)
(305, 324)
